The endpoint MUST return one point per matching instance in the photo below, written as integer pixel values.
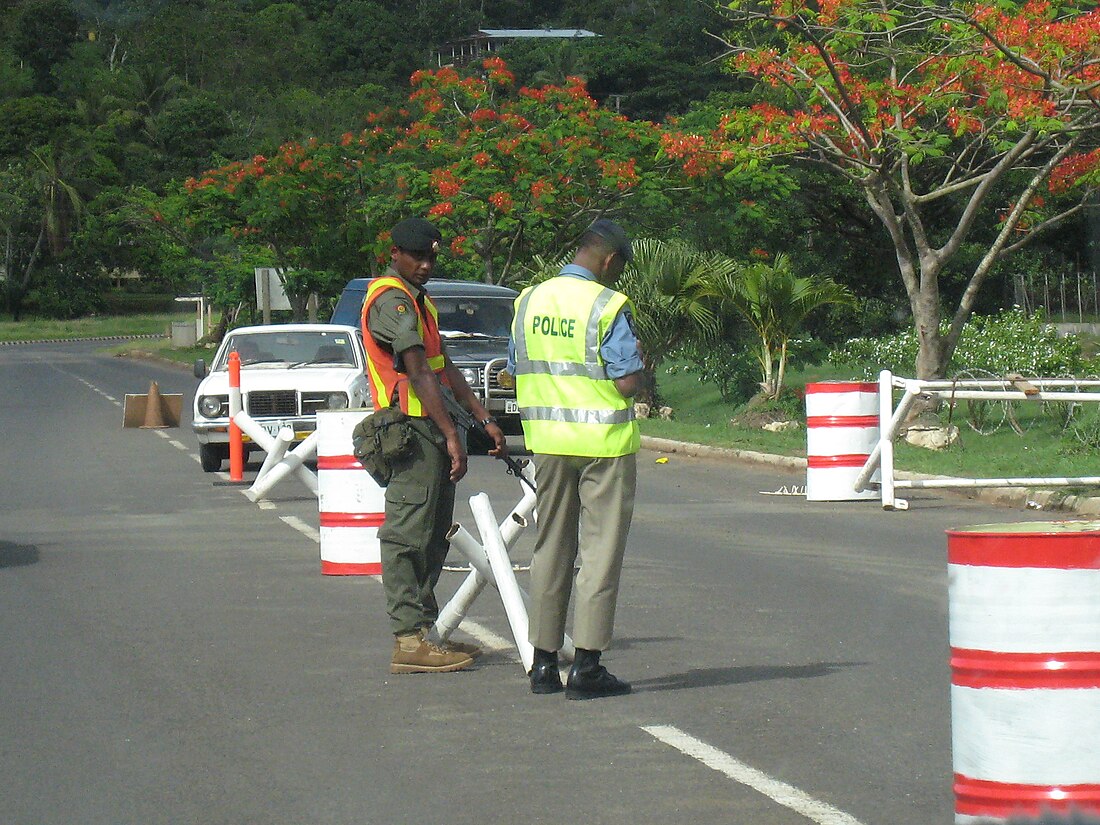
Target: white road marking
(303, 528)
(487, 638)
(264, 504)
(177, 445)
(786, 795)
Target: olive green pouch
(381, 440)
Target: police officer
(408, 365)
(577, 365)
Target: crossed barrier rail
(881, 457)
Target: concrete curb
(78, 340)
(1023, 498)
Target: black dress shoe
(545, 678)
(594, 683)
(544, 674)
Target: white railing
(1051, 390)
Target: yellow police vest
(567, 403)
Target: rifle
(465, 421)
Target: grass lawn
(1043, 450)
(96, 327)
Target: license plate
(272, 427)
(511, 406)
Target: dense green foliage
(1000, 344)
(109, 107)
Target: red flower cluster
(622, 173)
(483, 116)
(681, 145)
(1072, 169)
(441, 209)
(482, 159)
(502, 201)
(541, 188)
(445, 183)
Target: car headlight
(211, 406)
(337, 401)
(470, 374)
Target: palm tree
(775, 302)
(677, 292)
(60, 201)
(566, 61)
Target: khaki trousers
(584, 509)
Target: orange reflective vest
(385, 380)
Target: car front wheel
(211, 457)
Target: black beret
(615, 236)
(416, 235)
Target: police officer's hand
(500, 445)
(457, 451)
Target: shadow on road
(719, 676)
(16, 555)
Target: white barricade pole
(503, 574)
(352, 505)
(277, 451)
(454, 611)
(886, 439)
(1024, 626)
(291, 463)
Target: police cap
(615, 236)
(416, 235)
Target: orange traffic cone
(154, 412)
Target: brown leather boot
(412, 653)
(450, 645)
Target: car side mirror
(200, 369)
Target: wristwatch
(485, 422)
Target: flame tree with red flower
(985, 112)
(513, 172)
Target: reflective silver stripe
(521, 326)
(578, 416)
(592, 331)
(592, 367)
(593, 371)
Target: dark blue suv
(475, 319)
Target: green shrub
(734, 370)
(64, 295)
(1000, 344)
(137, 303)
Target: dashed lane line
(306, 530)
(786, 795)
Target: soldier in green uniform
(408, 366)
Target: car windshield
(289, 349)
(474, 317)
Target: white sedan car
(288, 373)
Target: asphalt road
(170, 652)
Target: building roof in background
(510, 34)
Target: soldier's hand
(457, 452)
(500, 444)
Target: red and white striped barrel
(352, 506)
(841, 431)
(1024, 605)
